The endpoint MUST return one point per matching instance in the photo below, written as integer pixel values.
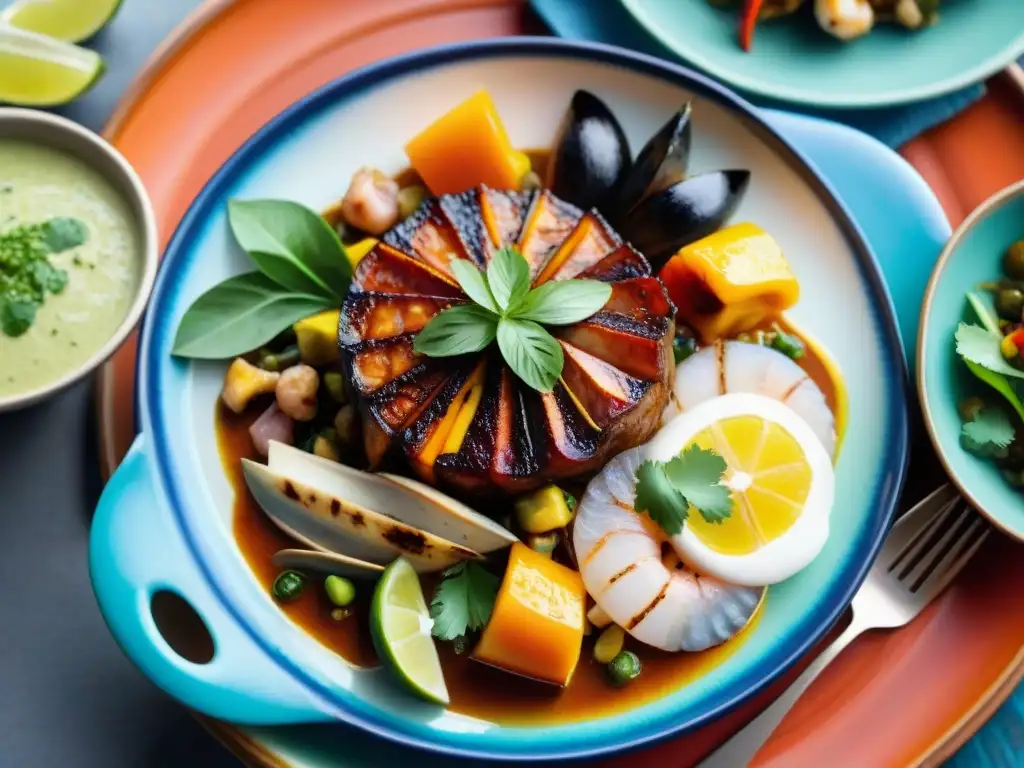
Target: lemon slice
(400, 625)
(38, 71)
(782, 484)
(69, 20)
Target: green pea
(1013, 260)
(787, 344)
(683, 347)
(340, 590)
(624, 668)
(288, 586)
(1010, 303)
(271, 361)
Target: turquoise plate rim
(979, 72)
(153, 400)
(990, 206)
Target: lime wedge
(69, 20)
(38, 71)
(400, 625)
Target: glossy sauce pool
(476, 689)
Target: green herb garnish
(463, 601)
(976, 344)
(303, 270)
(988, 434)
(506, 309)
(26, 274)
(665, 490)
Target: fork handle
(743, 745)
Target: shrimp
(660, 603)
(727, 367)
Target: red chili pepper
(1017, 337)
(748, 20)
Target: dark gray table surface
(69, 697)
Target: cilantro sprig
(978, 346)
(505, 309)
(666, 490)
(463, 601)
(988, 434)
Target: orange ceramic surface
(903, 698)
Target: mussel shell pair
(650, 201)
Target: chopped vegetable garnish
(666, 490)
(463, 600)
(977, 345)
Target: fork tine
(921, 530)
(931, 551)
(908, 526)
(954, 561)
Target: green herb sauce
(69, 264)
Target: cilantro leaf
(978, 345)
(697, 474)
(16, 316)
(48, 277)
(63, 234)
(463, 601)
(659, 498)
(989, 434)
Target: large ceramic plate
(266, 670)
(793, 60)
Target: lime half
(38, 71)
(69, 20)
(400, 624)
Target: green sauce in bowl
(40, 184)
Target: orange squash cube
(730, 281)
(536, 627)
(466, 147)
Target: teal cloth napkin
(607, 21)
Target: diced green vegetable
(334, 382)
(683, 347)
(624, 668)
(787, 344)
(288, 586)
(340, 590)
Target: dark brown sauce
(475, 689)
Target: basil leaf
(562, 302)
(531, 352)
(456, 331)
(239, 315)
(292, 245)
(63, 234)
(509, 278)
(474, 284)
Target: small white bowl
(49, 130)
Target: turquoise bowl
(795, 61)
(164, 520)
(972, 256)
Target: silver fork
(922, 554)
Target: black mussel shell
(667, 220)
(590, 157)
(661, 163)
